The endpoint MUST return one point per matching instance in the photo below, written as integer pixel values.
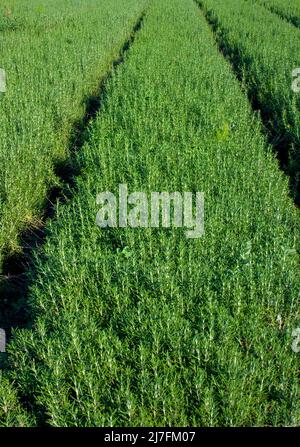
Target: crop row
(20, 15)
(264, 50)
(54, 56)
(142, 326)
(289, 11)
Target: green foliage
(11, 413)
(55, 54)
(289, 11)
(143, 326)
(264, 50)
